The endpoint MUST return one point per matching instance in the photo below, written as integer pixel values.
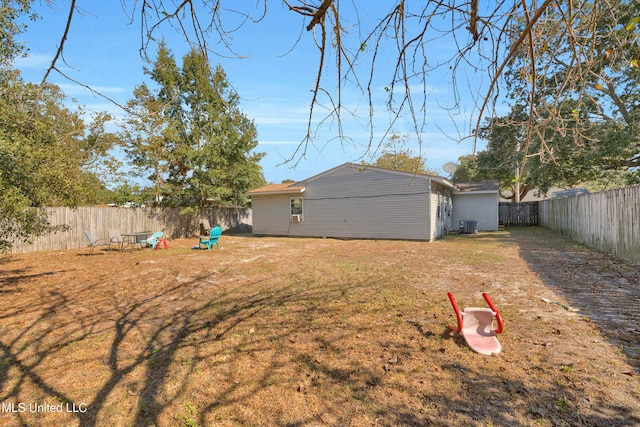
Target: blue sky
(273, 78)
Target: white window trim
(291, 214)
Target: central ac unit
(296, 218)
(468, 226)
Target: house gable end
(350, 168)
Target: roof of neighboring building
(553, 193)
(557, 193)
(489, 185)
(289, 188)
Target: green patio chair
(212, 239)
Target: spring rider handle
(458, 314)
(495, 310)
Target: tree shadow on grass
(143, 324)
(11, 279)
(93, 254)
(604, 289)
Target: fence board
(608, 221)
(97, 220)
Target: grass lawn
(303, 332)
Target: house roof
(299, 187)
(362, 168)
(486, 186)
(290, 188)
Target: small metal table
(136, 238)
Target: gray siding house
(357, 201)
(477, 201)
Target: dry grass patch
(275, 331)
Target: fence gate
(523, 213)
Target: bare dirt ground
(314, 332)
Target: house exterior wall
(481, 207)
(350, 202)
(368, 203)
(273, 214)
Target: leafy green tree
(10, 11)
(503, 158)
(49, 156)
(574, 115)
(396, 156)
(43, 153)
(467, 169)
(96, 149)
(208, 142)
(97, 191)
(128, 193)
(143, 138)
(581, 120)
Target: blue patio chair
(156, 239)
(212, 239)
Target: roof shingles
(277, 189)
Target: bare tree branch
(484, 37)
(319, 14)
(63, 39)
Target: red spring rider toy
(476, 326)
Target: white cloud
(72, 89)
(33, 61)
(276, 113)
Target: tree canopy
(189, 137)
(396, 156)
(46, 151)
(10, 11)
(574, 114)
(574, 107)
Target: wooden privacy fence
(97, 220)
(608, 221)
(523, 213)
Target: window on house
(296, 209)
